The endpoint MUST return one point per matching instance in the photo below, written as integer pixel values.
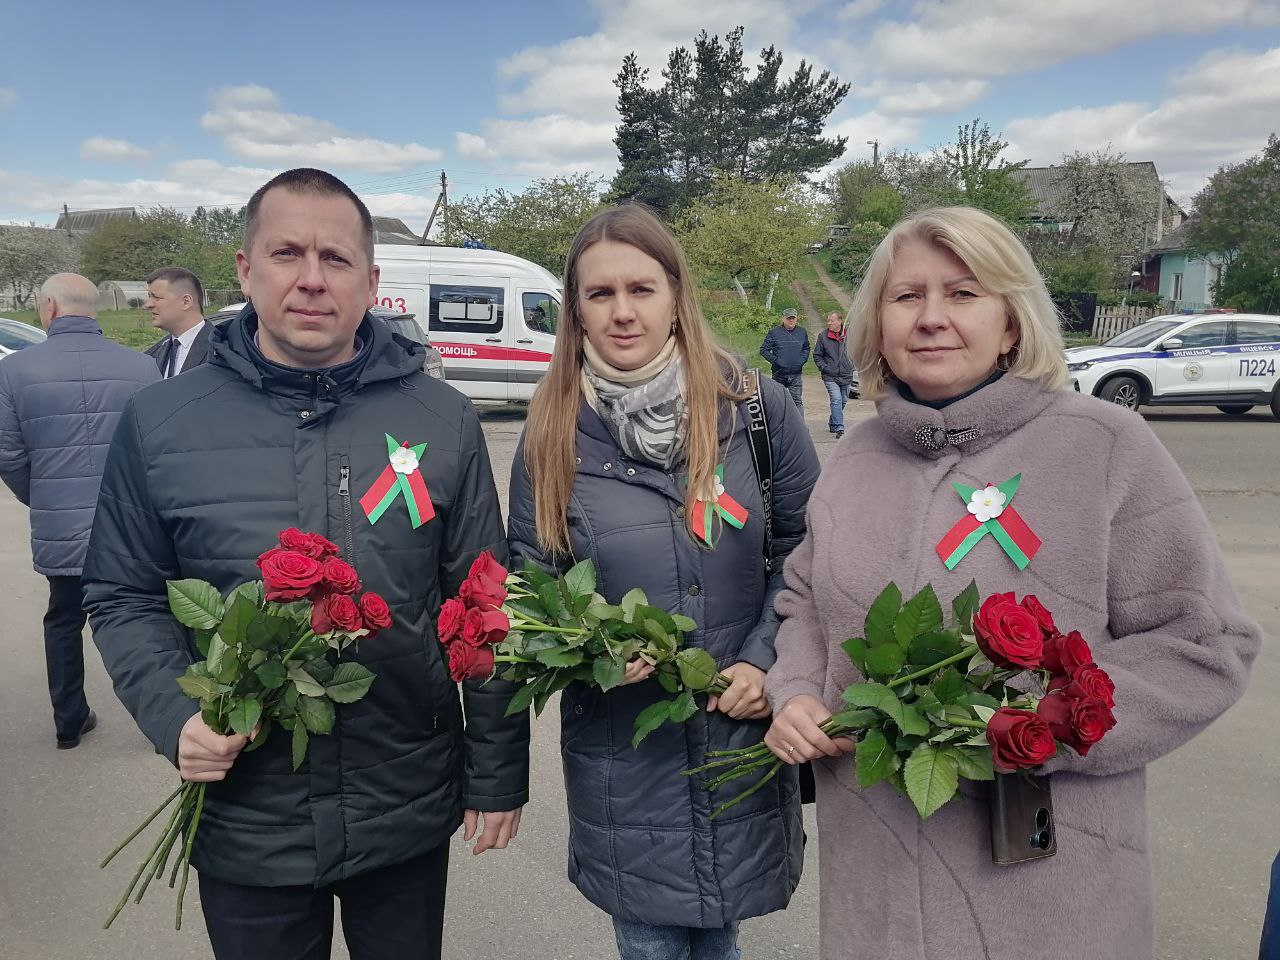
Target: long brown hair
(712, 375)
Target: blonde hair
(1000, 263)
(712, 375)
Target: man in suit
(60, 400)
(175, 299)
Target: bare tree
(30, 254)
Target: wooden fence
(1109, 321)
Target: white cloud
(251, 123)
(473, 147)
(1213, 116)
(859, 9)
(551, 145)
(113, 151)
(8, 97)
(873, 125)
(928, 96)
(985, 38)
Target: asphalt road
(1213, 803)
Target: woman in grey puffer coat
(637, 410)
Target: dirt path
(813, 320)
(840, 295)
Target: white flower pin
(987, 503)
(404, 460)
(717, 489)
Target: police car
(1229, 361)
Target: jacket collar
(382, 357)
(831, 334)
(74, 324)
(970, 424)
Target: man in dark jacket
(176, 301)
(786, 348)
(831, 357)
(286, 426)
(59, 404)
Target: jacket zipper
(344, 492)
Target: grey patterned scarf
(644, 409)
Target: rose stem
(748, 792)
(161, 859)
(136, 877)
(964, 654)
(142, 826)
(186, 854)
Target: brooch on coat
(400, 478)
(990, 512)
(722, 505)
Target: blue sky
(143, 103)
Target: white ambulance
(491, 315)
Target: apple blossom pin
(400, 478)
(991, 511)
(722, 505)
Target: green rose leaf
(884, 661)
(604, 611)
(670, 680)
(559, 657)
(697, 668)
(219, 654)
(879, 697)
(921, 614)
(535, 576)
(932, 647)
(305, 683)
(271, 674)
(683, 707)
(927, 701)
(317, 713)
(684, 624)
(251, 590)
(878, 627)
(264, 731)
(199, 688)
(299, 744)
(240, 612)
(581, 579)
(931, 777)
(202, 641)
(552, 601)
(874, 759)
(608, 673)
(349, 683)
(320, 669)
(244, 715)
(649, 720)
(973, 763)
(632, 599)
(524, 696)
(965, 606)
(856, 719)
(856, 650)
(950, 687)
(195, 603)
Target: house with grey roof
(81, 223)
(1183, 278)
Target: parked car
(404, 324)
(14, 335)
(1229, 361)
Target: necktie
(170, 358)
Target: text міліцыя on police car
(1230, 361)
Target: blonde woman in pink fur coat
(956, 339)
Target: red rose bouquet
(550, 631)
(272, 651)
(1000, 691)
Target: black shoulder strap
(761, 455)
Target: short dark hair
(308, 180)
(184, 277)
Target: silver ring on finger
(790, 749)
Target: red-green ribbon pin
(401, 478)
(729, 509)
(990, 511)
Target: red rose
(1087, 681)
(299, 542)
(1019, 739)
(1079, 722)
(1007, 633)
(1066, 653)
(344, 613)
(1031, 603)
(288, 575)
(320, 622)
(326, 547)
(449, 623)
(375, 612)
(482, 628)
(469, 663)
(480, 591)
(340, 575)
(487, 566)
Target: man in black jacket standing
(831, 357)
(286, 426)
(786, 348)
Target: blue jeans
(643, 941)
(1269, 949)
(838, 394)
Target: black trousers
(64, 655)
(394, 913)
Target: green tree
(537, 223)
(859, 193)
(130, 248)
(849, 257)
(29, 255)
(753, 232)
(1237, 216)
(984, 179)
(219, 225)
(711, 118)
(921, 180)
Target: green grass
(822, 299)
(130, 327)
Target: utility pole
(66, 218)
(441, 207)
(875, 153)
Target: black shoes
(90, 722)
(839, 434)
